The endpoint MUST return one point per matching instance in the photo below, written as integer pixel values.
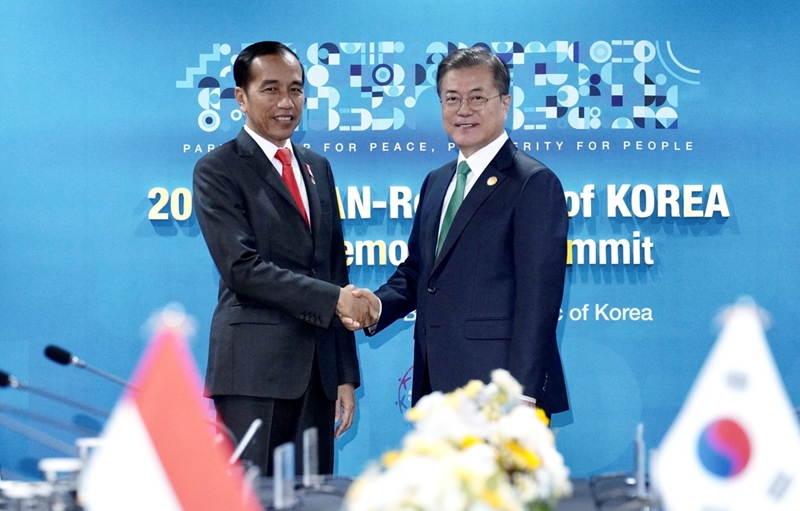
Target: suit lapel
(491, 179)
(249, 150)
(437, 192)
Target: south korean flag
(735, 444)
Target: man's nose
(285, 101)
(464, 108)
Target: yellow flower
(414, 414)
(390, 458)
(473, 388)
(542, 416)
(493, 498)
(470, 440)
(522, 457)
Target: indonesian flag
(158, 450)
(735, 444)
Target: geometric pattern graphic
(378, 86)
(355, 86)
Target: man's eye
(475, 99)
(452, 100)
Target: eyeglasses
(477, 102)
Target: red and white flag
(735, 444)
(158, 450)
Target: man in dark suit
(268, 212)
(485, 275)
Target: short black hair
(472, 57)
(241, 67)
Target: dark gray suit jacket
(279, 281)
(492, 297)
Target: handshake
(357, 308)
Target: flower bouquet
(478, 448)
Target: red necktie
(285, 157)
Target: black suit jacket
(279, 281)
(491, 298)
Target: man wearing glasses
(487, 251)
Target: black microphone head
(58, 355)
(5, 379)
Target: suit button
(424, 331)
(313, 272)
(431, 289)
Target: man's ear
(241, 99)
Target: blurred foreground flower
(478, 448)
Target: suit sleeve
(222, 213)
(345, 339)
(540, 247)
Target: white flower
(424, 406)
(474, 449)
(508, 385)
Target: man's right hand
(357, 308)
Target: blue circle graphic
(383, 74)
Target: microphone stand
(13, 382)
(105, 375)
(28, 432)
(12, 410)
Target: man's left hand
(345, 408)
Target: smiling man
(267, 210)
(487, 251)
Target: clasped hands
(357, 308)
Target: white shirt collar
(268, 147)
(483, 156)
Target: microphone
(64, 357)
(6, 380)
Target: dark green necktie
(455, 202)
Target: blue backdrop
(668, 122)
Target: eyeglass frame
(456, 108)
